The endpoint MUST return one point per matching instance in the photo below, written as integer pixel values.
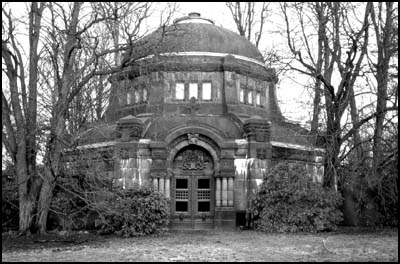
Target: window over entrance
(193, 90)
(206, 91)
(179, 91)
(199, 90)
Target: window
(193, 90)
(181, 183)
(250, 97)
(180, 91)
(206, 91)
(144, 95)
(258, 98)
(203, 184)
(137, 97)
(203, 195)
(181, 195)
(241, 95)
(128, 98)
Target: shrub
(375, 196)
(134, 212)
(68, 212)
(9, 203)
(289, 201)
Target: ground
(343, 245)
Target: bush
(288, 201)
(9, 203)
(134, 212)
(375, 196)
(68, 212)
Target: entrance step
(189, 225)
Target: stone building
(194, 112)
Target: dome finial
(193, 17)
(194, 14)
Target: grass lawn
(344, 245)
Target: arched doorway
(192, 189)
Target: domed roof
(195, 34)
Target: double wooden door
(192, 196)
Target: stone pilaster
(129, 128)
(257, 132)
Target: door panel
(182, 200)
(192, 186)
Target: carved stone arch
(181, 143)
(215, 137)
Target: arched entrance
(192, 189)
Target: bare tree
(73, 54)
(344, 42)
(20, 110)
(77, 64)
(249, 19)
(383, 18)
(348, 60)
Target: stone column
(224, 195)
(218, 192)
(230, 191)
(155, 183)
(161, 185)
(167, 187)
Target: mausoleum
(194, 112)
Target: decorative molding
(210, 54)
(295, 146)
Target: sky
(288, 91)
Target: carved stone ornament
(194, 160)
(193, 138)
(193, 106)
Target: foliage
(134, 212)
(9, 203)
(376, 196)
(289, 201)
(69, 212)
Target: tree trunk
(316, 108)
(26, 204)
(28, 189)
(332, 160)
(356, 136)
(26, 208)
(384, 36)
(45, 198)
(320, 59)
